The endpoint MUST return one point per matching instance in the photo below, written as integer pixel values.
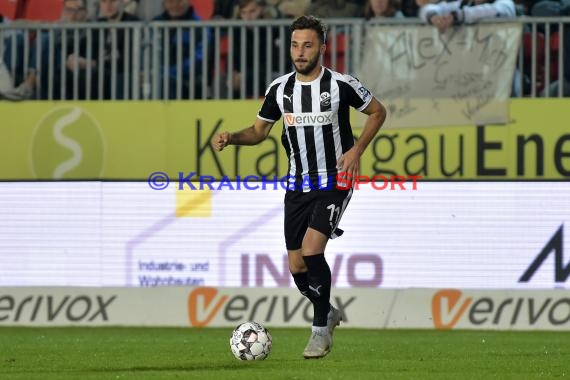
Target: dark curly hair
(310, 22)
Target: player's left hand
(350, 163)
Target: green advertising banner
(132, 140)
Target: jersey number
(334, 210)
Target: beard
(310, 65)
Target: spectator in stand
(10, 92)
(7, 89)
(270, 10)
(94, 8)
(383, 8)
(229, 9)
(180, 10)
(336, 8)
(131, 6)
(445, 14)
(13, 53)
(251, 10)
(558, 9)
(226, 9)
(148, 9)
(523, 7)
(112, 56)
(291, 8)
(74, 11)
(410, 8)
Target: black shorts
(319, 209)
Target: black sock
(319, 276)
(302, 281)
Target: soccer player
(314, 102)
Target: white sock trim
(320, 330)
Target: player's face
(306, 50)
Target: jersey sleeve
(357, 95)
(270, 110)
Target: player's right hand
(221, 140)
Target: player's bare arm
(349, 162)
(248, 136)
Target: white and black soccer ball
(250, 341)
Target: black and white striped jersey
(316, 125)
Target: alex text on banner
(462, 77)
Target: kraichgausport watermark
(340, 181)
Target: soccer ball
(250, 341)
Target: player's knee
(314, 242)
(297, 267)
(313, 249)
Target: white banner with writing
(436, 308)
(461, 77)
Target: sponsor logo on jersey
(307, 119)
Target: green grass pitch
(177, 353)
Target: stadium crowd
(103, 64)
